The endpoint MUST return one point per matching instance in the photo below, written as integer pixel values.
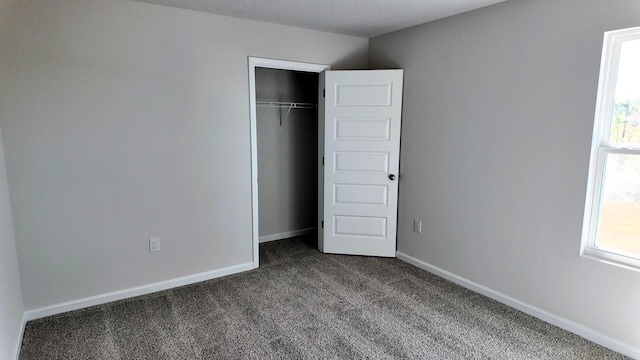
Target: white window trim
(600, 147)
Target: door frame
(256, 62)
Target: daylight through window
(612, 217)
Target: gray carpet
(301, 304)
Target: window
(612, 215)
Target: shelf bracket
(287, 115)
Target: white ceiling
(366, 18)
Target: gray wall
(287, 153)
(125, 121)
(11, 306)
(497, 121)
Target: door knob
(392, 177)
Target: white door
(362, 113)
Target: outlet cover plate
(417, 226)
(154, 244)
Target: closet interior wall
(287, 154)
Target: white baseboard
(20, 336)
(543, 315)
(286, 234)
(136, 291)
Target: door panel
(350, 162)
(345, 194)
(363, 95)
(362, 226)
(364, 129)
(361, 150)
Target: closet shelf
(285, 105)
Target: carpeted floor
(301, 304)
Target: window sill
(611, 258)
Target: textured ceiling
(366, 18)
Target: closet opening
(286, 150)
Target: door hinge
(324, 92)
(323, 160)
(322, 224)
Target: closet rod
(289, 105)
(285, 105)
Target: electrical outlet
(154, 244)
(417, 226)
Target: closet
(287, 152)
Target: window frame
(600, 147)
